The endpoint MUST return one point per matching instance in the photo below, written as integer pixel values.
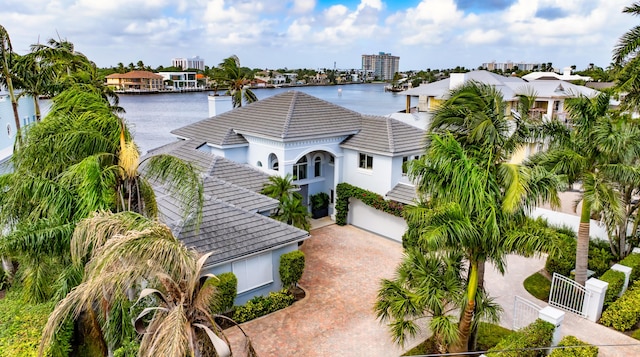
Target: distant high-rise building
(383, 65)
(184, 63)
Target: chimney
(456, 80)
(219, 104)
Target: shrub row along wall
(345, 191)
(586, 351)
(624, 313)
(536, 335)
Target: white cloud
(303, 6)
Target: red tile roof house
(135, 81)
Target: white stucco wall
(377, 180)
(572, 221)
(370, 219)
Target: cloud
(303, 6)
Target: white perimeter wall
(564, 219)
(370, 219)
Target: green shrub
(227, 286)
(538, 334)
(636, 334)
(291, 268)
(600, 256)
(21, 327)
(564, 260)
(632, 261)
(260, 306)
(345, 191)
(489, 335)
(616, 283)
(587, 351)
(128, 349)
(624, 313)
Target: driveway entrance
(344, 266)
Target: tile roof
(287, 116)
(231, 232)
(386, 135)
(238, 196)
(403, 193)
(135, 74)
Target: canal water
(152, 117)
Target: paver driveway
(343, 268)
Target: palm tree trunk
(582, 248)
(464, 326)
(473, 336)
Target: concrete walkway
(505, 288)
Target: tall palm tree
(625, 57)
(426, 285)
(588, 152)
(35, 79)
(474, 199)
(7, 57)
(234, 78)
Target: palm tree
(588, 152)
(291, 211)
(6, 65)
(625, 56)
(280, 187)
(629, 43)
(35, 79)
(474, 199)
(426, 285)
(234, 77)
(122, 249)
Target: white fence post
(593, 308)
(555, 317)
(627, 273)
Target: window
(405, 164)
(366, 162)
(253, 272)
(259, 163)
(300, 169)
(317, 166)
(273, 162)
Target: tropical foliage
(234, 78)
(290, 209)
(345, 191)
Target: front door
(304, 191)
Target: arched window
(259, 163)
(317, 166)
(273, 162)
(300, 169)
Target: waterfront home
(143, 81)
(180, 80)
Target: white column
(597, 289)
(550, 109)
(555, 317)
(627, 273)
(337, 178)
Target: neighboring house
(180, 79)
(135, 81)
(565, 76)
(235, 224)
(550, 96)
(27, 115)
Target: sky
(318, 33)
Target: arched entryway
(314, 172)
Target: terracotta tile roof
(136, 74)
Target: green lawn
(538, 285)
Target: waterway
(152, 117)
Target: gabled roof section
(231, 233)
(441, 89)
(238, 196)
(386, 136)
(284, 117)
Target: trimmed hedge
(537, 334)
(227, 286)
(345, 191)
(632, 261)
(616, 282)
(624, 313)
(291, 268)
(600, 257)
(587, 351)
(260, 306)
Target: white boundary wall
(564, 219)
(370, 219)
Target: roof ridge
(392, 144)
(238, 187)
(287, 120)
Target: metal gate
(568, 295)
(524, 312)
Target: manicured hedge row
(624, 313)
(260, 306)
(538, 334)
(227, 285)
(600, 257)
(587, 351)
(632, 261)
(616, 282)
(345, 191)
(291, 268)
